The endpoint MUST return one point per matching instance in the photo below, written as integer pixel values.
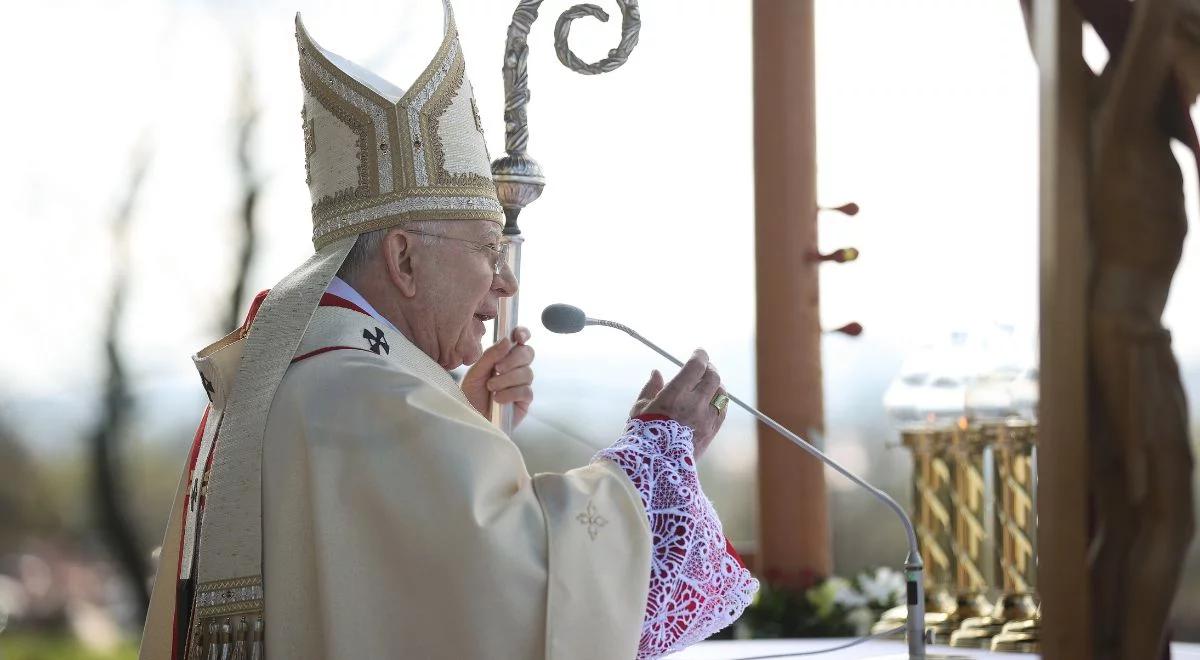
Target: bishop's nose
(505, 284)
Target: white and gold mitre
(377, 155)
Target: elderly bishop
(345, 497)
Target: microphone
(563, 319)
(567, 319)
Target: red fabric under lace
(697, 586)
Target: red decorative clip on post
(849, 209)
(852, 329)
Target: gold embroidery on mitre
(345, 133)
(377, 155)
(453, 122)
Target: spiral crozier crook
(519, 178)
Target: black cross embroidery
(195, 497)
(208, 386)
(376, 342)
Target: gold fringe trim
(228, 622)
(228, 638)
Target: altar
(748, 649)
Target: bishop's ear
(397, 252)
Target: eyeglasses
(498, 254)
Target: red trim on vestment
(652, 417)
(330, 300)
(258, 301)
(187, 496)
(326, 349)
(327, 300)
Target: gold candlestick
(1020, 636)
(933, 516)
(972, 549)
(931, 511)
(969, 498)
(1016, 522)
(1016, 526)
(1011, 444)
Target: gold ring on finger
(719, 401)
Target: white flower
(845, 594)
(883, 588)
(861, 618)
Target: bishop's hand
(504, 374)
(687, 399)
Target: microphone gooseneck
(563, 319)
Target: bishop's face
(457, 289)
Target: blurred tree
(24, 509)
(105, 441)
(250, 187)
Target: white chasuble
(399, 523)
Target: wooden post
(794, 535)
(1063, 429)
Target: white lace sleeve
(696, 586)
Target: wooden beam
(794, 534)
(1065, 268)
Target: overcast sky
(927, 118)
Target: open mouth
(485, 317)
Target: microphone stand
(519, 179)
(913, 566)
